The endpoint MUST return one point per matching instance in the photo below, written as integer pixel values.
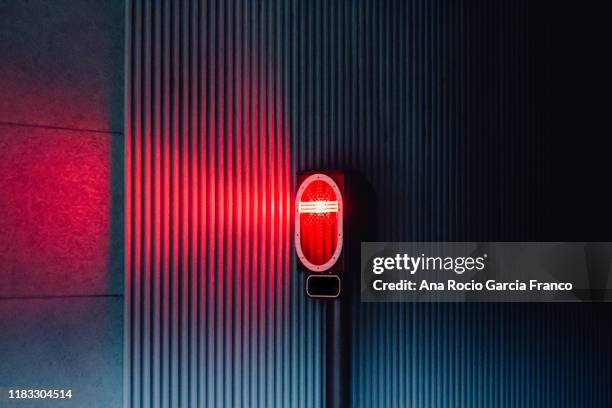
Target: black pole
(338, 352)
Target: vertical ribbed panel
(214, 315)
(429, 100)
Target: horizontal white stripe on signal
(318, 207)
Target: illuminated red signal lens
(318, 238)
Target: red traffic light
(318, 222)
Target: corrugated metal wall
(214, 315)
(430, 101)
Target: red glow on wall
(55, 209)
(208, 205)
(318, 222)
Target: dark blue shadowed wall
(442, 106)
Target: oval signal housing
(318, 222)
